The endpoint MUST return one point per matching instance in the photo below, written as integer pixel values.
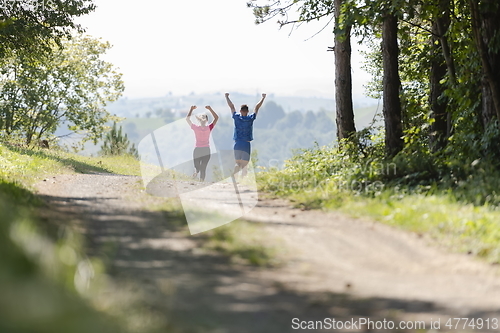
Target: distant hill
(284, 125)
(147, 107)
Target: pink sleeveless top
(202, 134)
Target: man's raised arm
(257, 107)
(231, 105)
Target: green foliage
(471, 138)
(47, 282)
(308, 10)
(117, 143)
(473, 134)
(36, 278)
(416, 190)
(55, 266)
(70, 86)
(33, 25)
(452, 194)
(373, 66)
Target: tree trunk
(486, 26)
(488, 113)
(491, 27)
(343, 80)
(391, 86)
(440, 127)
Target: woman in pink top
(201, 152)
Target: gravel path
(337, 267)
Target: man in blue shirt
(243, 133)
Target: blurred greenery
(34, 280)
(47, 282)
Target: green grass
(49, 284)
(464, 214)
(27, 166)
(21, 168)
(460, 226)
(246, 243)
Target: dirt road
(337, 267)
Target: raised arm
(257, 107)
(214, 114)
(189, 115)
(231, 105)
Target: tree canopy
(311, 10)
(70, 86)
(34, 24)
(436, 61)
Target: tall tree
(343, 78)
(34, 24)
(70, 86)
(310, 10)
(117, 143)
(391, 85)
(379, 19)
(449, 66)
(485, 19)
(441, 125)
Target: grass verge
(461, 227)
(27, 166)
(50, 285)
(465, 216)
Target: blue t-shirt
(243, 127)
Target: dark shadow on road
(202, 291)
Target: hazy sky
(212, 46)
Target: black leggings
(201, 156)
